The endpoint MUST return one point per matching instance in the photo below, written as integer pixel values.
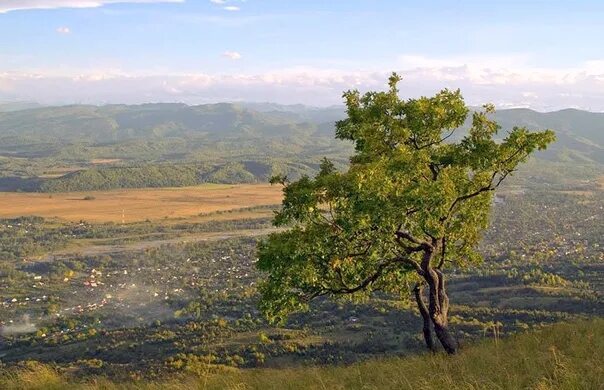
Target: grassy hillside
(562, 356)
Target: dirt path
(95, 250)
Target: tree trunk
(438, 307)
(423, 310)
(439, 310)
(445, 338)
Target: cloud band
(18, 5)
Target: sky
(544, 55)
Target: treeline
(28, 236)
(126, 177)
(169, 175)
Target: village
(133, 292)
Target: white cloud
(16, 5)
(64, 30)
(225, 6)
(514, 84)
(233, 55)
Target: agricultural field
(135, 205)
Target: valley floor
(176, 298)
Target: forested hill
(114, 123)
(92, 147)
(118, 123)
(580, 133)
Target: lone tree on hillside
(411, 204)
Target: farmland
(138, 204)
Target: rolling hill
(580, 133)
(98, 147)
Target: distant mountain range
(580, 134)
(44, 141)
(17, 106)
(114, 123)
(25, 123)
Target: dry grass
(138, 204)
(103, 161)
(559, 357)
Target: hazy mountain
(79, 123)
(580, 133)
(17, 106)
(259, 138)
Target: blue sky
(540, 54)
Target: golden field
(138, 204)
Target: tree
(412, 204)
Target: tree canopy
(414, 201)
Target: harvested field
(103, 161)
(138, 204)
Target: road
(95, 250)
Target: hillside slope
(580, 133)
(562, 356)
(114, 123)
(132, 146)
(21, 130)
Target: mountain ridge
(80, 142)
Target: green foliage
(408, 189)
(27, 236)
(162, 175)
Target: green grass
(562, 356)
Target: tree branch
(412, 263)
(503, 174)
(435, 171)
(400, 234)
(489, 187)
(331, 222)
(443, 252)
(362, 252)
(423, 309)
(435, 142)
(345, 289)
(350, 290)
(442, 294)
(408, 248)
